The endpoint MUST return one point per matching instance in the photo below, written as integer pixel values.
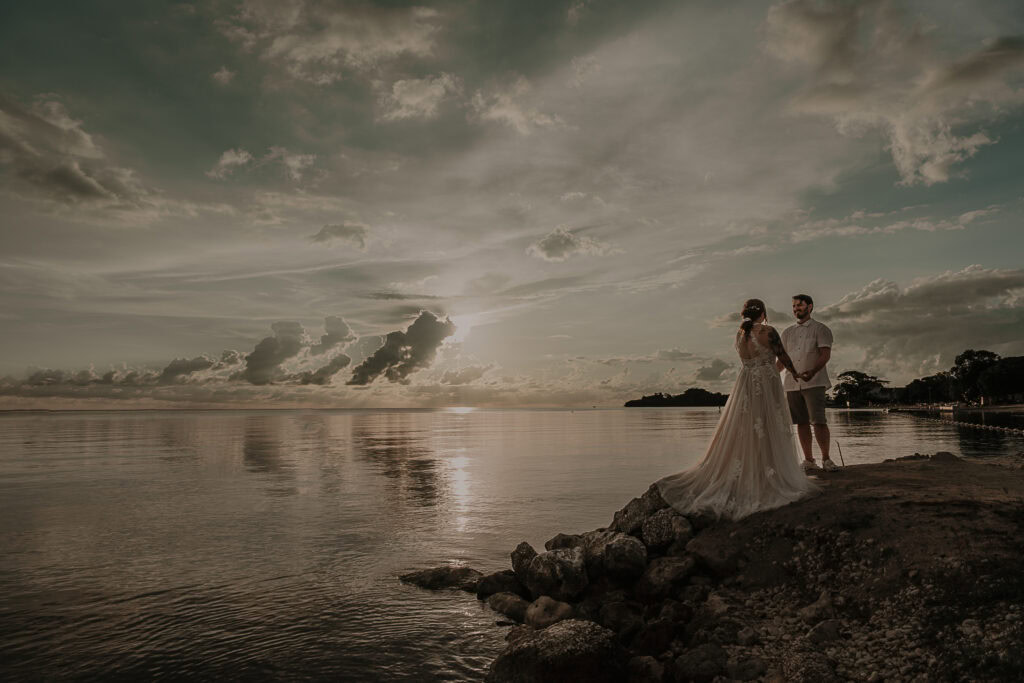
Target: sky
(294, 203)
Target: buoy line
(959, 423)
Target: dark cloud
(323, 374)
(922, 327)
(871, 65)
(53, 158)
(405, 352)
(353, 233)
(262, 366)
(562, 243)
(180, 367)
(984, 65)
(396, 296)
(336, 331)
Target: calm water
(220, 544)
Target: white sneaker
(808, 465)
(829, 466)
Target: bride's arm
(780, 351)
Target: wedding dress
(751, 463)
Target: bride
(751, 463)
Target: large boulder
(614, 554)
(625, 558)
(563, 541)
(571, 650)
(447, 576)
(521, 558)
(545, 611)
(664, 529)
(631, 518)
(504, 581)
(664, 577)
(509, 604)
(560, 574)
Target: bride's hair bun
(752, 310)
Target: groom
(809, 344)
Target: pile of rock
(902, 571)
(611, 604)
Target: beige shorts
(807, 406)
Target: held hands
(806, 375)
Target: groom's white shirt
(802, 341)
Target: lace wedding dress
(751, 463)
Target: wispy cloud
(870, 66)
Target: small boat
(947, 407)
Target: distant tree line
(976, 377)
(694, 396)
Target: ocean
(233, 544)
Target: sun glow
(464, 324)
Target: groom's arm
(824, 355)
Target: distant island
(694, 396)
(977, 378)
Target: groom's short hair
(806, 298)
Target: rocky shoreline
(907, 570)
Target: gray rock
(509, 604)
(944, 457)
(664, 577)
(447, 576)
(563, 541)
(824, 632)
(817, 611)
(544, 612)
(630, 519)
(625, 558)
(745, 668)
(571, 650)
(646, 669)
(701, 663)
(595, 550)
(560, 574)
(504, 581)
(521, 558)
(665, 528)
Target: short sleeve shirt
(802, 342)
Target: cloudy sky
(291, 202)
